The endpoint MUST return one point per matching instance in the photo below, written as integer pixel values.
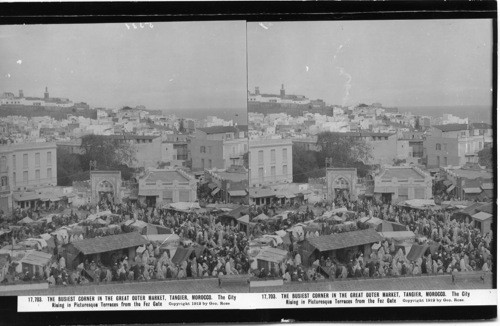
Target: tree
(486, 157)
(344, 151)
(109, 153)
(68, 168)
(305, 165)
(417, 124)
(245, 160)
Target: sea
(238, 115)
(475, 113)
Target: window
(273, 171)
(438, 147)
(202, 163)
(49, 158)
(37, 159)
(5, 181)
(261, 174)
(3, 164)
(273, 156)
(209, 163)
(445, 161)
(203, 149)
(37, 175)
(49, 173)
(261, 157)
(25, 176)
(13, 162)
(285, 170)
(285, 154)
(25, 161)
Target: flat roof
(401, 173)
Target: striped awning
(473, 190)
(216, 190)
(450, 188)
(237, 193)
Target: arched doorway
(341, 189)
(105, 191)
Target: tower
(282, 91)
(21, 94)
(257, 91)
(46, 94)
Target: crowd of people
(220, 247)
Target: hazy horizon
(174, 64)
(393, 62)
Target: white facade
(270, 162)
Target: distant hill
(40, 111)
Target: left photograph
(123, 157)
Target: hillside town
(133, 195)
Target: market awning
(109, 243)
(345, 240)
(383, 190)
(215, 191)
(473, 190)
(487, 186)
(272, 255)
(260, 193)
(25, 196)
(148, 192)
(237, 193)
(447, 183)
(181, 254)
(450, 188)
(482, 216)
(36, 258)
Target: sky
(180, 65)
(396, 63)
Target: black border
(116, 12)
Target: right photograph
(371, 153)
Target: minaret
(21, 94)
(282, 91)
(46, 94)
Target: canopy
(109, 243)
(482, 216)
(386, 226)
(272, 255)
(181, 254)
(344, 240)
(26, 220)
(472, 190)
(450, 188)
(164, 239)
(184, 206)
(237, 193)
(244, 219)
(215, 191)
(398, 235)
(416, 252)
(36, 258)
(261, 217)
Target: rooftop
(165, 176)
(345, 240)
(401, 173)
(452, 127)
(109, 243)
(472, 174)
(218, 130)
